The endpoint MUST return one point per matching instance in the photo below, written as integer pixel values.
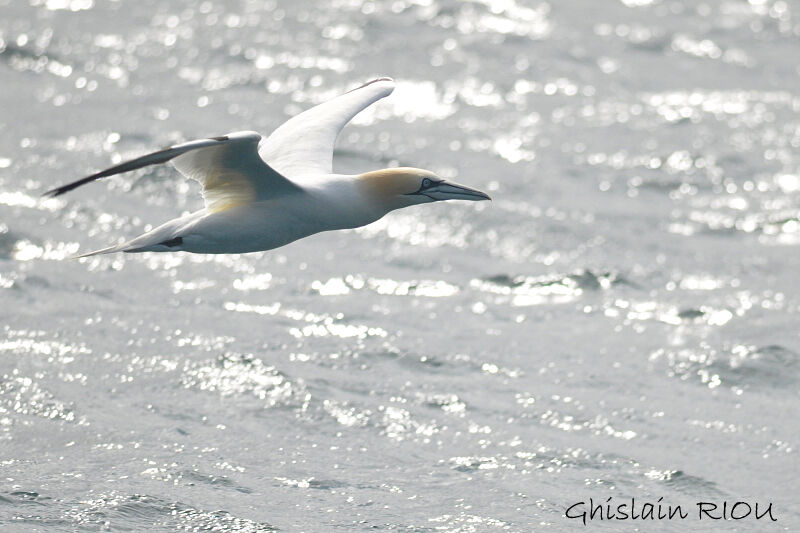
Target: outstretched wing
(304, 144)
(228, 167)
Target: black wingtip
(52, 193)
(370, 82)
(58, 191)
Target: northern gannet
(260, 193)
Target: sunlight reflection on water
(630, 289)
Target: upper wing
(228, 167)
(304, 143)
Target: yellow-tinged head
(394, 188)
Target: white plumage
(263, 193)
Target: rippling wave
(621, 321)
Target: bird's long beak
(445, 190)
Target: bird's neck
(343, 202)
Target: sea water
(618, 327)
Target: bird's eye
(426, 183)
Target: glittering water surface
(622, 320)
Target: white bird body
(263, 194)
(262, 225)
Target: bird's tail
(143, 243)
(165, 238)
(135, 246)
(109, 250)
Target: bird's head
(393, 188)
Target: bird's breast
(269, 224)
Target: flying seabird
(264, 193)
